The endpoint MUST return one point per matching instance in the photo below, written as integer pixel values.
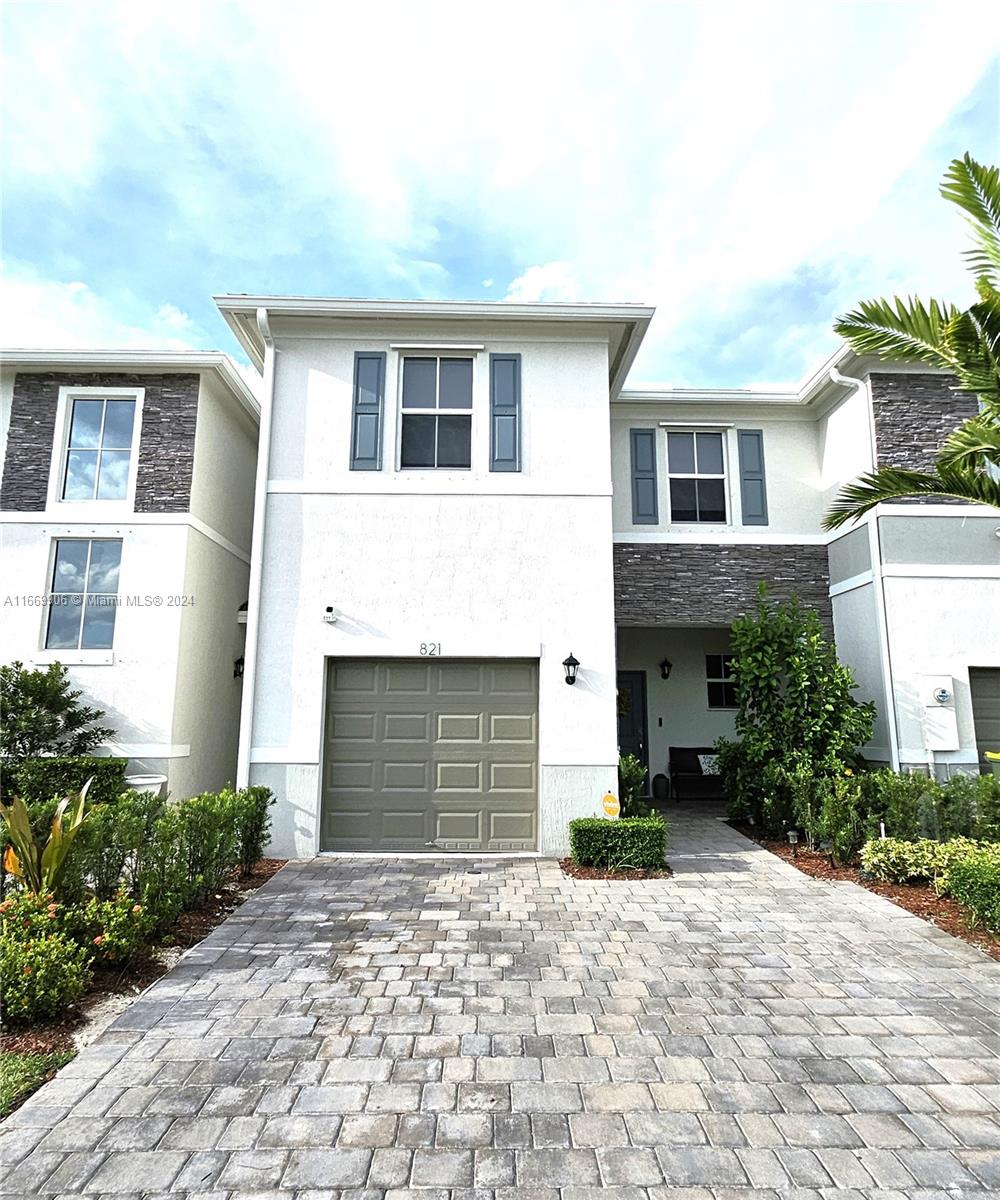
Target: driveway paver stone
(491, 1029)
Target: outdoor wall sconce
(238, 667)
(571, 667)
(665, 668)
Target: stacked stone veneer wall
(673, 583)
(913, 415)
(166, 441)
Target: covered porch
(675, 698)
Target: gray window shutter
(505, 412)
(366, 419)
(753, 486)
(644, 505)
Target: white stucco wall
(225, 462)
(790, 460)
(680, 702)
(939, 626)
(135, 685)
(206, 713)
(844, 440)
(859, 645)
(489, 565)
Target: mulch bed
(919, 899)
(191, 928)
(578, 872)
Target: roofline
(235, 307)
(198, 360)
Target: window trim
(710, 679)
(472, 412)
(694, 429)
(80, 655)
(60, 449)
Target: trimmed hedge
(896, 861)
(37, 780)
(637, 842)
(975, 882)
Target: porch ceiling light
(665, 668)
(571, 666)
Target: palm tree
(964, 342)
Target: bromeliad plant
(39, 866)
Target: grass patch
(22, 1074)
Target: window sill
(75, 658)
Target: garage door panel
(406, 727)
(512, 830)
(511, 727)
(431, 755)
(512, 777)
(352, 776)
(513, 679)
(407, 776)
(358, 678)
(459, 777)
(460, 727)
(463, 679)
(407, 679)
(352, 727)
(984, 683)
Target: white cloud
(548, 281)
(684, 155)
(38, 313)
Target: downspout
(878, 580)
(256, 554)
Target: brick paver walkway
(363, 1027)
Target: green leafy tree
(797, 719)
(41, 714)
(965, 342)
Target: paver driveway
(450, 1025)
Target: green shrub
(37, 780)
(42, 970)
(796, 713)
(897, 861)
(903, 804)
(112, 932)
(208, 824)
(637, 842)
(974, 881)
(840, 820)
(253, 825)
(970, 806)
(632, 774)
(41, 714)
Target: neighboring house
(127, 508)
(433, 540)
(717, 490)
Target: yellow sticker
(611, 806)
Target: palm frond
(976, 189)
(974, 339)
(890, 483)
(909, 331)
(975, 445)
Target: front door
(632, 737)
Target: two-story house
(127, 508)
(433, 544)
(460, 510)
(717, 490)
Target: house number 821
(430, 648)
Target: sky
(752, 169)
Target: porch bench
(687, 780)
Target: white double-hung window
(83, 594)
(436, 419)
(99, 448)
(696, 467)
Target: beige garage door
(985, 685)
(430, 754)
